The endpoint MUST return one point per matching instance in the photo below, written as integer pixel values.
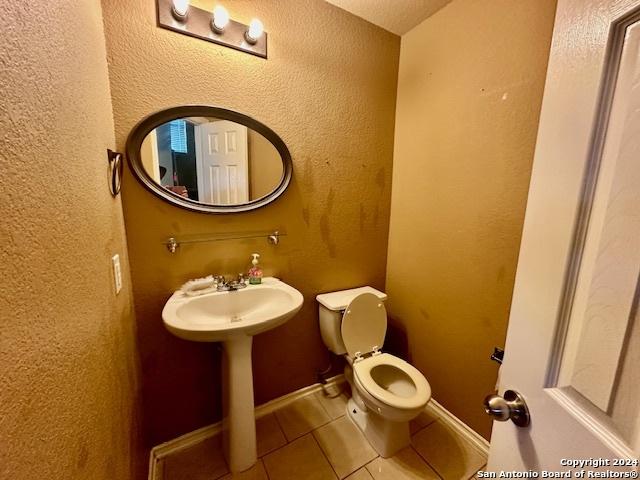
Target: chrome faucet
(238, 283)
(223, 286)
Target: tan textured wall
(333, 102)
(67, 369)
(469, 91)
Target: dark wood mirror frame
(145, 126)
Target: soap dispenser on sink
(255, 272)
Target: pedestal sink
(233, 318)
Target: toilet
(387, 392)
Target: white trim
(464, 430)
(193, 438)
(197, 134)
(155, 157)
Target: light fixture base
(178, 16)
(249, 40)
(216, 30)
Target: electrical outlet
(117, 273)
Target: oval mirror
(209, 159)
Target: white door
(573, 344)
(222, 163)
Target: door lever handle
(510, 407)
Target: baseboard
(193, 438)
(459, 426)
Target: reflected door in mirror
(211, 161)
(222, 162)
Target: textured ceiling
(397, 16)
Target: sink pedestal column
(239, 425)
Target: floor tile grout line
(422, 427)
(433, 420)
(264, 467)
(309, 431)
(358, 468)
(443, 424)
(470, 444)
(427, 461)
(422, 456)
(321, 405)
(369, 463)
(286, 439)
(324, 408)
(449, 427)
(280, 427)
(284, 435)
(226, 473)
(254, 465)
(286, 442)
(325, 455)
(476, 472)
(260, 458)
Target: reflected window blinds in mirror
(209, 159)
(214, 26)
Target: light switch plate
(117, 273)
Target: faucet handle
(241, 277)
(219, 279)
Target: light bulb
(180, 8)
(255, 31)
(220, 18)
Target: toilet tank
(331, 307)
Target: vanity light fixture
(255, 31)
(215, 26)
(219, 19)
(179, 9)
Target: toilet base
(386, 437)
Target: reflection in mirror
(211, 161)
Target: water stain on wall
(325, 234)
(362, 217)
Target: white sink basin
(233, 318)
(215, 317)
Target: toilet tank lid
(337, 301)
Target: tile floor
(313, 439)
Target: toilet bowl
(387, 392)
(391, 387)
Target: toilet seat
(364, 325)
(392, 372)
